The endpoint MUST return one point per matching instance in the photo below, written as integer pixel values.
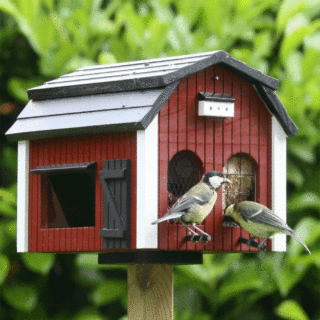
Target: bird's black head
(214, 179)
(228, 221)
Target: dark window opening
(241, 170)
(184, 171)
(67, 195)
(70, 200)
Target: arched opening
(241, 170)
(184, 171)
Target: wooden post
(150, 291)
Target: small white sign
(216, 109)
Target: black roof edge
(248, 73)
(43, 93)
(276, 107)
(224, 59)
(158, 104)
(122, 127)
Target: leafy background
(42, 39)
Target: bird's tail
(174, 215)
(293, 235)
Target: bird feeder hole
(241, 169)
(184, 171)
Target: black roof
(94, 99)
(144, 74)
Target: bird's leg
(262, 246)
(202, 232)
(193, 233)
(249, 242)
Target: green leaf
(303, 201)
(7, 203)
(302, 150)
(294, 173)
(22, 297)
(290, 8)
(108, 291)
(11, 229)
(4, 267)
(10, 158)
(308, 231)
(106, 58)
(88, 314)
(299, 29)
(284, 273)
(38, 262)
(290, 309)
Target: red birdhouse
(108, 149)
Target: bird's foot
(252, 243)
(205, 238)
(194, 238)
(262, 247)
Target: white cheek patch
(216, 181)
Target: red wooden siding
(90, 148)
(213, 140)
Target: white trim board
(279, 180)
(23, 196)
(147, 186)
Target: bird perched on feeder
(195, 205)
(259, 221)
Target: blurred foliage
(42, 39)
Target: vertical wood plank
(200, 136)
(42, 206)
(93, 157)
(68, 239)
(91, 239)
(150, 291)
(173, 149)
(227, 238)
(209, 154)
(56, 240)
(74, 239)
(255, 106)
(163, 157)
(245, 135)
(182, 115)
(45, 240)
(218, 162)
(85, 238)
(80, 235)
(133, 157)
(191, 117)
(34, 198)
(99, 197)
(269, 173)
(51, 239)
(62, 237)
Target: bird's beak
(226, 180)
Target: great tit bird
(258, 220)
(194, 206)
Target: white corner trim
(147, 186)
(23, 196)
(279, 180)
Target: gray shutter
(115, 180)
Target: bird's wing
(190, 199)
(258, 213)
